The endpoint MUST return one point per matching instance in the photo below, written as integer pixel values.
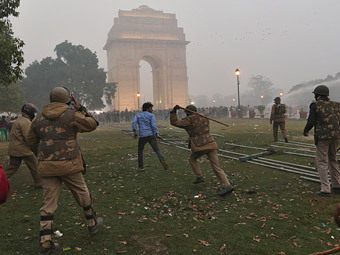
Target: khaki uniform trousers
(213, 158)
(52, 187)
(276, 126)
(326, 162)
(31, 162)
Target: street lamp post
(138, 96)
(237, 73)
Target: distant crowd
(6, 124)
(127, 116)
(213, 112)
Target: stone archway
(152, 36)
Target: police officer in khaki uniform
(324, 116)
(54, 132)
(201, 143)
(277, 116)
(18, 150)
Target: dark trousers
(141, 143)
(282, 126)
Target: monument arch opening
(152, 36)
(146, 81)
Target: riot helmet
(321, 90)
(192, 108)
(30, 110)
(277, 100)
(61, 95)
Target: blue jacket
(147, 124)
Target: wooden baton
(188, 110)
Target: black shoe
(336, 190)
(323, 194)
(226, 190)
(94, 229)
(47, 251)
(198, 180)
(141, 168)
(286, 140)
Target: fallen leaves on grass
(257, 239)
(205, 243)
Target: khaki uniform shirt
(202, 143)
(82, 124)
(18, 146)
(275, 116)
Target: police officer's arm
(272, 114)
(84, 123)
(311, 119)
(32, 139)
(25, 128)
(183, 123)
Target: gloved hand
(177, 107)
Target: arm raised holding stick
(204, 116)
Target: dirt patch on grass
(150, 244)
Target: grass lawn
(162, 212)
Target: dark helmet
(321, 90)
(277, 99)
(60, 94)
(192, 108)
(30, 110)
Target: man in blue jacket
(148, 133)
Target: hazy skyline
(288, 42)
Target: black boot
(47, 247)
(226, 190)
(198, 180)
(94, 229)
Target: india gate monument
(152, 36)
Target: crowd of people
(214, 112)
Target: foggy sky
(287, 41)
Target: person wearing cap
(324, 116)
(277, 118)
(53, 134)
(148, 133)
(18, 149)
(201, 143)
